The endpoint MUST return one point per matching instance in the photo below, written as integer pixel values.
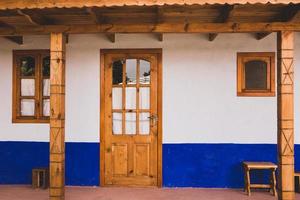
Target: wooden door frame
(159, 108)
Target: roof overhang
(41, 4)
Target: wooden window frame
(38, 117)
(269, 58)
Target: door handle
(153, 119)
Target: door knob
(153, 119)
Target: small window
(256, 74)
(31, 86)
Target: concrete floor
(8, 192)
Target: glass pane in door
(144, 72)
(131, 71)
(144, 124)
(130, 124)
(117, 123)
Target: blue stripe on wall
(214, 165)
(18, 158)
(184, 165)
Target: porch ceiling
(215, 18)
(31, 4)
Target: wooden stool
(40, 178)
(297, 182)
(260, 166)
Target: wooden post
(285, 106)
(57, 116)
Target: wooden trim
(160, 118)
(241, 90)
(102, 117)
(180, 27)
(102, 107)
(37, 118)
(40, 4)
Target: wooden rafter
(33, 18)
(15, 39)
(94, 15)
(289, 14)
(224, 17)
(152, 28)
(97, 20)
(159, 20)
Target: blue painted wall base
(184, 165)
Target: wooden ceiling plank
(288, 14)
(34, 19)
(229, 27)
(224, 17)
(15, 39)
(32, 4)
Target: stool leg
(274, 183)
(245, 180)
(297, 181)
(42, 180)
(38, 179)
(248, 181)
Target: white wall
(200, 104)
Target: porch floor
(9, 192)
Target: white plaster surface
(200, 104)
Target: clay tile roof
(40, 4)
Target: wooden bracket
(15, 39)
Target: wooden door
(130, 146)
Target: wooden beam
(111, 37)
(57, 116)
(15, 39)
(288, 14)
(225, 16)
(152, 28)
(262, 35)
(34, 18)
(285, 115)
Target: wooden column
(57, 116)
(285, 105)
